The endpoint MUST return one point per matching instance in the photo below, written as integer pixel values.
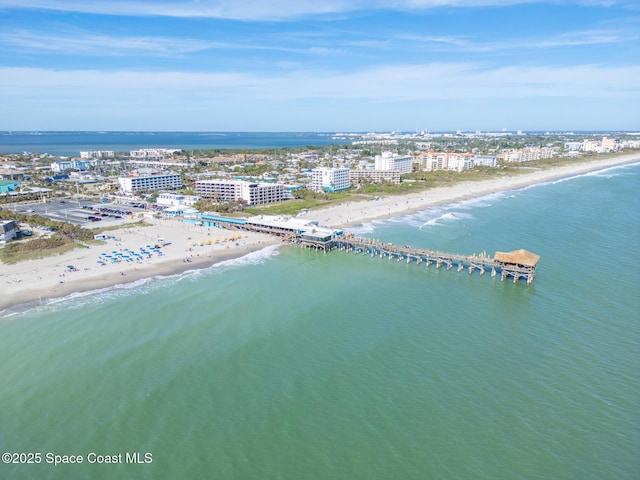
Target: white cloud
(568, 39)
(383, 84)
(79, 42)
(435, 96)
(84, 43)
(245, 9)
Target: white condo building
(153, 182)
(253, 193)
(387, 161)
(330, 179)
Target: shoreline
(41, 281)
(356, 213)
(36, 282)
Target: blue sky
(319, 65)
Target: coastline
(187, 247)
(351, 214)
(35, 282)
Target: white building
(253, 193)
(97, 154)
(153, 182)
(387, 161)
(485, 161)
(8, 230)
(176, 200)
(573, 146)
(330, 179)
(374, 176)
(153, 153)
(71, 164)
(257, 193)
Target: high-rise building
(329, 179)
(388, 161)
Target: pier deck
(518, 264)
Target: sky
(320, 65)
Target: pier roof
(519, 257)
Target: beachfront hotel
(330, 179)
(387, 161)
(374, 176)
(154, 182)
(253, 193)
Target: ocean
(291, 364)
(72, 143)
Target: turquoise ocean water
(289, 364)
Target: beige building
(527, 154)
(457, 162)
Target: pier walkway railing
(375, 248)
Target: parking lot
(82, 212)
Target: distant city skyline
(326, 66)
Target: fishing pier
(518, 264)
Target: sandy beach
(128, 257)
(189, 247)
